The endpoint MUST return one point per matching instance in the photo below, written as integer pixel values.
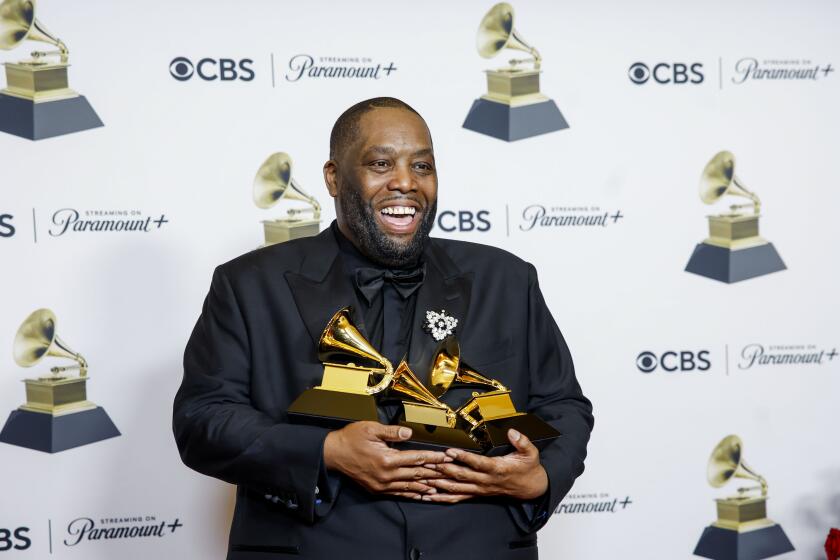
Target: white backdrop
(189, 149)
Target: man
(318, 493)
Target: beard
(360, 218)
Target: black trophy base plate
(46, 119)
(332, 409)
(725, 544)
(719, 263)
(539, 432)
(51, 434)
(514, 123)
(437, 438)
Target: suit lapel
(445, 287)
(321, 287)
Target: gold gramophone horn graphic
(38, 102)
(36, 339)
(734, 250)
(513, 107)
(496, 33)
(742, 528)
(353, 373)
(274, 182)
(726, 463)
(57, 414)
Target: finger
(446, 498)
(415, 474)
(408, 486)
(464, 474)
(410, 458)
(522, 444)
(474, 460)
(452, 487)
(388, 433)
(409, 495)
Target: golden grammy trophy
(274, 182)
(37, 101)
(742, 530)
(734, 250)
(513, 107)
(354, 372)
(487, 415)
(57, 414)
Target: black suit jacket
(252, 353)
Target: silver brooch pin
(439, 325)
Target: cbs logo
(464, 220)
(7, 229)
(16, 539)
(666, 73)
(684, 360)
(211, 69)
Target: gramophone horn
(496, 32)
(341, 341)
(18, 24)
(406, 383)
(447, 368)
(37, 338)
(719, 179)
(274, 182)
(727, 462)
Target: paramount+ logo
(666, 73)
(674, 361)
(212, 69)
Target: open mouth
(399, 219)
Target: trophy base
(729, 544)
(727, 265)
(509, 123)
(538, 431)
(424, 436)
(332, 409)
(38, 120)
(51, 434)
(279, 231)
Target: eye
(379, 165)
(424, 167)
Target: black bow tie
(406, 282)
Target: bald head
(346, 129)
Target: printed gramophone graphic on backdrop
(513, 107)
(37, 101)
(57, 415)
(355, 374)
(273, 183)
(733, 251)
(742, 529)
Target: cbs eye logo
(211, 69)
(666, 73)
(670, 361)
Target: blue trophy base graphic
(51, 434)
(502, 121)
(726, 265)
(726, 544)
(35, 121)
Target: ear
(330, 177)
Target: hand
(360, 450)
(518, 474)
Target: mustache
(400, 198)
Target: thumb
(391, 433)
(521, 442)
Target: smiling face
(385, 186)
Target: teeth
(399, 210)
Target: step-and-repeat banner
(670, 170)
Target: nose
(402, 180)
